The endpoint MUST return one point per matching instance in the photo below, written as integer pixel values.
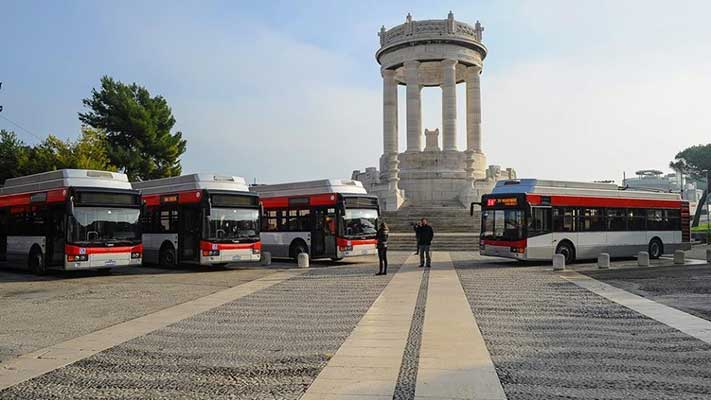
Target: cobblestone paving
(407, 378)
(550, 339)
(269, 345)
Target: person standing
(424, 241)
(382, 237)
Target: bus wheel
(36, 262)
(656, 248)
(167, 257)
(568, 251)
(298, 248)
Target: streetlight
(708, 209)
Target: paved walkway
(468, 328)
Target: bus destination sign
(502, 201)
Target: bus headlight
(518, 250)
(210, 253)
(255, 250)
(135, 255)
(77, 258)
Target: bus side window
(540, 221)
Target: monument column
(414, 107)
(390, 144)
(449, 105)
(473, 109)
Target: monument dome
(431, 53)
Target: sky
(279, 91)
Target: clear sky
(287, 90)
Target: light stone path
(39, 362)
(677, 319)
(454, 360)
(366, 366)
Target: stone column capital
(449, 62)
(473, 71)
(389, 73)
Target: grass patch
(701, 228)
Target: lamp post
(708, 211)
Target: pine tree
(137, 127)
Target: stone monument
(431, 53)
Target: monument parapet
(431, 53)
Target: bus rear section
(202, 219)
(81, 219)
(324, 219)
(532, 219)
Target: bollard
(708, 256)
(266, 258)
(558, 262)
(603, 261)
(679, 257)
(303, 260)
(643, 259)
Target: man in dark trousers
(424, 240)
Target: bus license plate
(236, 258)
(109, 262)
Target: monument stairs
(454, 228)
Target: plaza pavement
(469, 328)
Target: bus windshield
(232, 224)
(503, 224)
(104, 225)
(360, 222)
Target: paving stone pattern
(269, 345)
(407, 378)
(550, 339)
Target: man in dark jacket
(425, 234)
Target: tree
(137, 129)
(13, 155)
(696, 162)
(91, 152)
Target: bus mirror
(471, 207)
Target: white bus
(70, 219)
(200, 219)
(323, 218)
(531, 219)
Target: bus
(70, 219)
(323, 218)
(202, 219)
(531, 219)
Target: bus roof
(185, 183)
(65, 178)
(584, 189)
(346, 186)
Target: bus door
(189, 233)
(56, 235)
(323, 235)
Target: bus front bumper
(502, 251)
(102, 261)
(359, 250)
(231, 256)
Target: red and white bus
(531, 219)
(70, 220)
(324, 218)
(200, 219)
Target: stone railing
(430, 28)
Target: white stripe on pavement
(677, 319)
(454, 360)
(367, 365)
